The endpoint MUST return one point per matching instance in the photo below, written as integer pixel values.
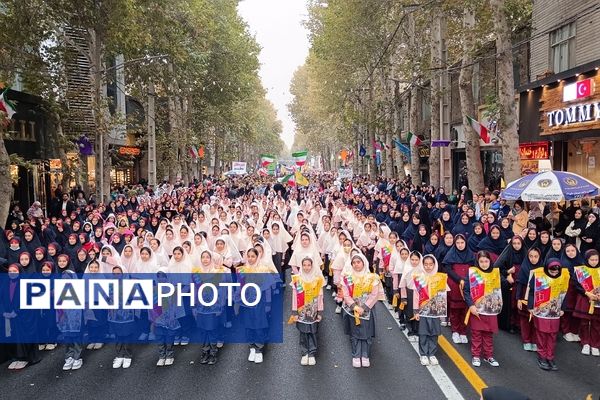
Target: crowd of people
(465, 261)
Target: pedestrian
(484, 299)
(122, 325)
(532, 262)
(361, 290)
(546, 293)
(70, 321)
(415, 260)
(429, 305)
(307, 308)
(165, 319)
(587, 306)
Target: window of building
(562, 48)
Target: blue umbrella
(550, 186)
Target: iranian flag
(300, 157)
(299, 295)
(481, 130)
(289, 179)
(413, 139)
(7, 106)
(266, 159)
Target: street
(395, 371)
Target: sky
(277, 26)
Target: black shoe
(543, 364)
(204, 358)
(212, 360)
(553, 365)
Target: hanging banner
(345, 173)
(238, 167)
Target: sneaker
(576, 338)
(151, 337)
(456, 338)
(118, 362)
(127, 362)
(366, 363)
(464, 339)
(543, 364)
(433, 360)
(586, 350)
(413, 338)
(595, 352)
(328, 287)
(338, 310)
(184, 341)
(13, 364)
(444, 323)
(252, 355)
(476, 362)
(356, 362)
(424, 360)
(204, 357)
(212, 360)
(304, 360)
(533, 347)
(77, 364)
(98, 346)
(50, 347)
(177, 341)
(90, 346)
(569, 337)
(219, 345)
(160, 362)
(258, 358)
(492, 361)
(527, 347)
(313, 361)
(334, 294)
(21, 365)
(68, 364)
(168, 361)
(143, 336)
(41, 347)
(552, 365)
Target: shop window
(562, 48)
(121, 176)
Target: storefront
(564, 111)
(535, 157)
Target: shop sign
(570, 107)
(129, 151)
(55, 164)
(534, 151)
(424, 152)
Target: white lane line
(437, 372)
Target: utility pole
(151, 125)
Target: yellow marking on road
(463, 366)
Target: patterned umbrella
(550, 186)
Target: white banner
(345, 173)
(238, 167)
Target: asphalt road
(395, 371)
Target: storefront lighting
(576, 75)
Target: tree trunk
(472, 148)
(217, 147)
(151, 125)
(436, 64)
(397, 129)
(415, 170)
(507, 121)
(5, 182)
(371, 134)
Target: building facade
(560, 109)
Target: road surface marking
(437, 372)
(463, 366)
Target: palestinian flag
(266, 159)
(300, 157)
(413, 139)
(289, 179)
(476, 284)
(6, 106)
(481, 130)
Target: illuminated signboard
(534, 151)
(129, 151)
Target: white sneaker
(334, 294)
(569, 337)
(527, 346)
(252, 355)
(13, 365)
(476, 362)
(258, 358)
(118, 362)
(169, 361)
(424, 360)
(127, 362)
(185, 341)
(312, 361)
(328, 287)
(595, 352)
(50, 347)
(90, 346)
(219, 345)
(41, 347)
(68, 364)
(338, 310)
(464, 339)
(576, 338)
(177, 341)
(98, 346)
(160, 362)
(533, 347)
(304, 360)
(21, 365)
(143, 336)
(433, 360)
(413, 338)
(586, 350)
(455, 338)
(77, 364)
